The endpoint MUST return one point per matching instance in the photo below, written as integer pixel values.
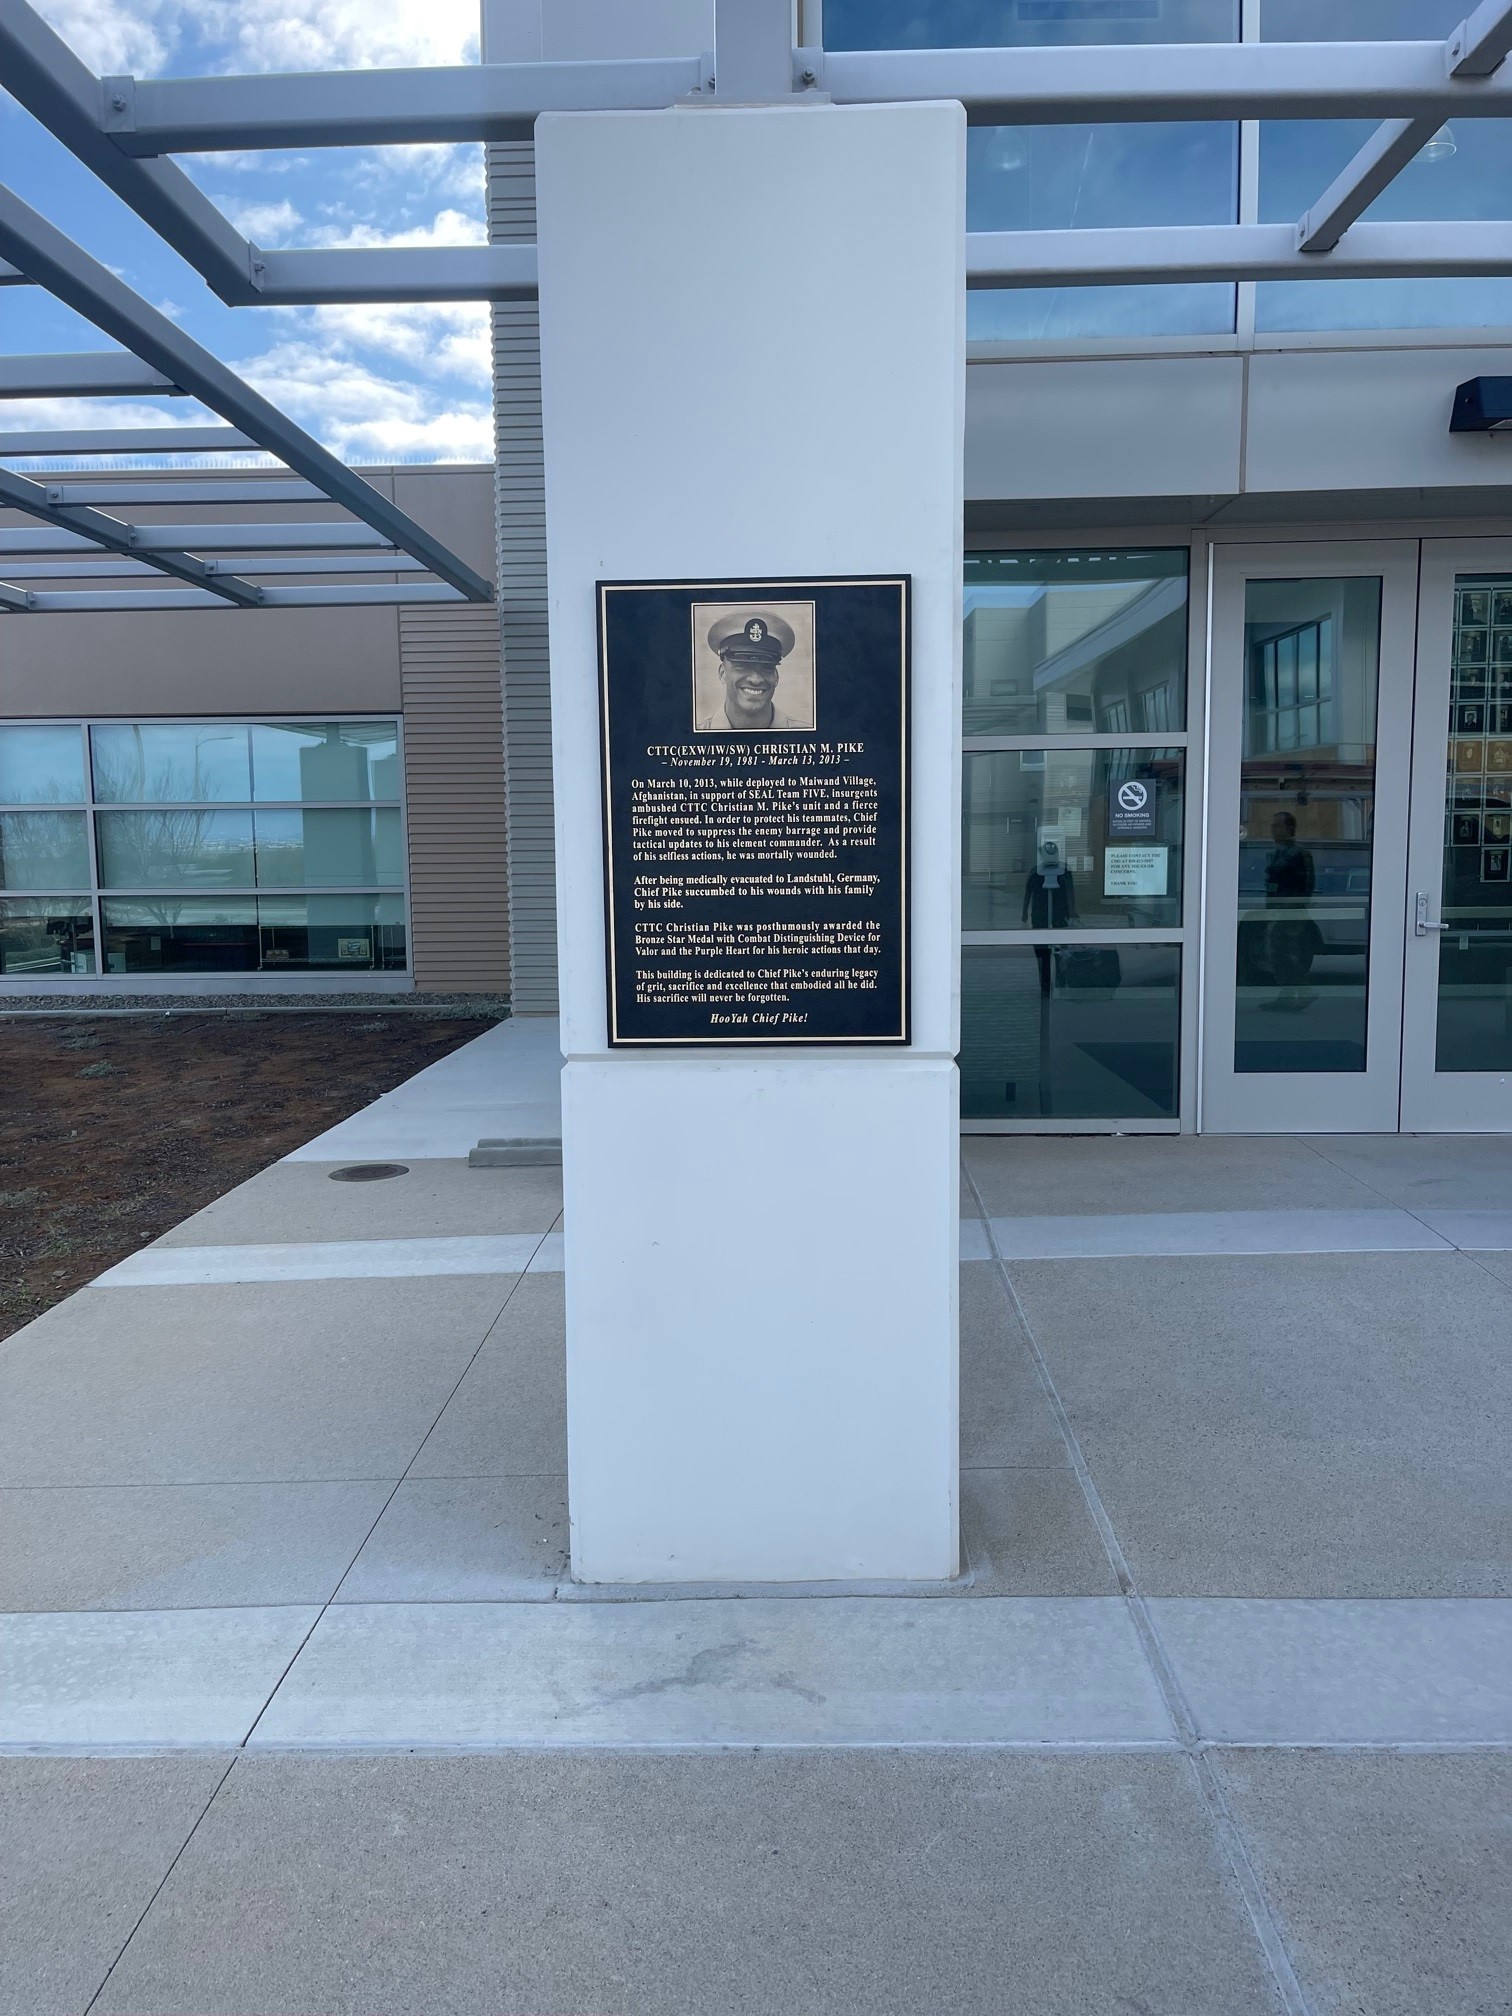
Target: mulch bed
(114, 1129)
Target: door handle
(1423, 924)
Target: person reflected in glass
(1292, 939)
(1049, 903)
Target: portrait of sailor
(750, 646)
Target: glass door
(1311, 708)
(1457, 1021)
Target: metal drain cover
(369, 1172)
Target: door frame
(1308, 1102)
(1450, 1102)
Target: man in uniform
(750, 649)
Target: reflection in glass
(325, 761)
(326, 849)
(170, 763)
(1466, 178)
(46, 934)
(187, 848)
(1475, 951)
(1306, 824)
(41, 764)
(1037, 851)
(1075, 643)
(186, 934)
(1021, 24)
(44, 850)
(1074, 1031)
(332, 932)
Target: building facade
(1237, 734)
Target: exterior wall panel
(454, 786)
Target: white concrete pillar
(753, 367)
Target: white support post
(753, 51)
(753, 366)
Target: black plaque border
(775, 588)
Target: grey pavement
(1216, 1717)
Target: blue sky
(376, 383)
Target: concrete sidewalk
(1217, 1717)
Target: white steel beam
(366, 108)
(93, 291)
(1479, 45)
(1382, 158)
(1170, 82)
(67, 536)
(118, 491)
(41, 72)
(399, 273)
(125, 441)
(753, 51)
(358, 594)
(1183, 253)
(259, 565)
(1034, 86)
(81, 374)
(113, 536)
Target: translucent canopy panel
(1021, 24)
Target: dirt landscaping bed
(112, 1129)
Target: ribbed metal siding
(520, 506)
(454, 787)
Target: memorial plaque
(755, 757)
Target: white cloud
(145, 35)
(99, 415)
(267, 223)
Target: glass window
(1463, 173)
(44, 850)
(325, 761)
(1024, 178)
(325, 849)
(170, 763)
(41, 764)
(1054, 838)
(185, 934)
(189, 849)
(1070, 1032)
(1475, 952)
(1075, 643)
(46, 934)
(333, 932)
(1306, 824)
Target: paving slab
(838, 1670)
(465, 1540)
(1051, 1175)
(176, 1546)
(323, 1260)
(1411, 1671)
(1027, 1532)
(1426, 1171)
(1322, 1425)
(311, 1381)
(437, 1199)
(1163, 1234)
(1392, 1874)
(84, 1842)
(831, 1884)
(509, 1415)
(140, 1679)
(1005, 1416)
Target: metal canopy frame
(127, 129)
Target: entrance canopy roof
(126, 130)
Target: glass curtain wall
(201, 847)
(1073, 812)
(1032, 178)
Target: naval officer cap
(750, 637)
